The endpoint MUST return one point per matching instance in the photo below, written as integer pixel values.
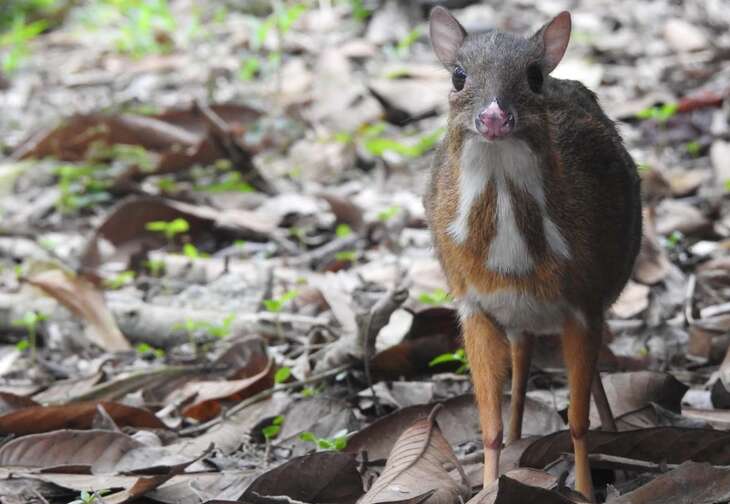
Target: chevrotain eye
(534, 78)
(458, 78)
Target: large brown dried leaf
(12, 402)
(671, 444)
(101, 452)
(85, 300)
(210, 394)
(692, 482)
(125, 225)
(510, 491)
(632, 391)
(416, 469)
(319, 478)
(459, 419)
(39, 419)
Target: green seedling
(693, 148)
(249, 68)
(359, 11)
(231, 182)
(14, 44)
(404, 45)
(674, 239)
(271, 431)
(343, 231)
(169, 228)
(378, 146)
(275, 305)
(119, 280)
(156, 267)
(459, 357)
(191, 251)
(30, 322)
(335, 443)
(145, 27)
(388, 214)
(80, 187)
(146, 349)
(661, 114)
(310, 391)
(346, 256)
(282, 21)
(86, 497)
(221, 330)
(436, 297)
(727, 185)
(167, 184)
(282, 375)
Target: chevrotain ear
(555, 36)
(447, 35)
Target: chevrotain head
(498, 77)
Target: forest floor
(212, 218)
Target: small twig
(265, 394)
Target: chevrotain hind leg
(580, 351)
(521, 357)
(487, 348)
(604, 408)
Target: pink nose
(493, 122)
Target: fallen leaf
(12, 402)
(634, 390)
(510, 491)
(318, 478)
(691, 482)
(101, 452)
(79, 415)
(210, 394)
(85, 300)
(652, 264)
(633, 300)
(417, 467)
(671, 444)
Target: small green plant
(167, 184)
(249, 68)
(660, 113)
(343, 231)
(86, 497)
(14, 43)
(378, 146)
(22, 345)
(674, 239)
(336, 443)
(346, 256)
(271, 431)
(459, 356)
(191, 251)
(231, 182)
(436, 297)
(119, 280)
(404, 45)
(145, 27)
(282, 375)
(156, 267)
(693, 148)
(275, 305)
(194, 327)
(80, 187)
(221, 330)
(30, 322)
(359, 11)
(146, 349)
(310, 391)
(388, 214)
(169, 228)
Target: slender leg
(488, 351)
(521, 357)
(580, 351)
(604, 408)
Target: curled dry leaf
(210, 394)
(102, 452)
(11, 402)
(318, 478)
(698, 483)
(507, 490)
(85, 300)
(125, 225)
(416, 468)
(38, 419)
(632, 391)
(671, 444)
